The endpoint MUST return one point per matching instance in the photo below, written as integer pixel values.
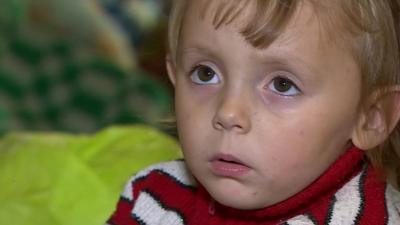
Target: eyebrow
(195, 50)
(199, 51)
(284, 58)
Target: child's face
(258, 126)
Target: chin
(239, 203)
(238, 199)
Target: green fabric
(61, 179)
(55, 86)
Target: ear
(378, 118)
(171, 69)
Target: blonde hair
(370, 28)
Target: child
(286, 113)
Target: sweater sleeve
(122, 214)
(148, 179)
(138, 205)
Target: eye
(283, 86)
(204, 75)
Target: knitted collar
(341, 171)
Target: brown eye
(204, 75)
(284, 86)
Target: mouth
(228, 166)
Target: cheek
(192, 123)
(327, 119)
(295, 141)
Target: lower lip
(227, 169)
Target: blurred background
(83, 88)
(82, 65)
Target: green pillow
(62, 179)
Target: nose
(232, 115)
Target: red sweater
(349, 192)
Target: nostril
(238, 127)
(219, 126)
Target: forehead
(202, 21)
(257, 28)
(260, 22)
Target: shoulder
(366, 197)
(393, 205)
(173, 170)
